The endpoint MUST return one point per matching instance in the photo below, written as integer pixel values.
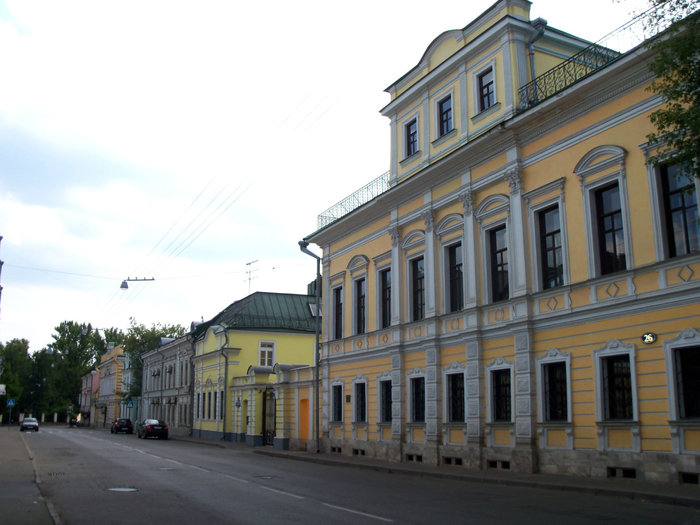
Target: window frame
(413, 396)
(454, 284)
(687, 340)
(411, 137)
(336, 412)
(384, 297)
(667, 222)
(614, 349)
(359, 309)
(604, 266)
(492, 254)
(444, 126)
(384, 415)
(337, 312)
(553, 356)
(359, 406)
(448, 397)
(498, 365)
(417, 294)
(271, 350)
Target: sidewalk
(20, 500)
(685, 495)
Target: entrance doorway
(268, 417)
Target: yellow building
(522, 292)
(111, 389)
(234, 358)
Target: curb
(569, 484)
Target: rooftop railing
(354, 201)
(601, 54)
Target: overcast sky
(185, 140)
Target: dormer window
(487, 95)
(411, 130)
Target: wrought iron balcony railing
(357, 199)
(601, 54)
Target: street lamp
(125, 286)
(304, 247)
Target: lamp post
(304, 247)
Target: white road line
(284, 493)
(236, 479)
(358, 512)
(199, 468)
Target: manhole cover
(122, 489)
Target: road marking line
(199, 468)
(282, 492)
(236, 479)
(358, 512)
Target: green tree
(676, 65)
(16, 366)
(141, 339)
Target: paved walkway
(686, 495)
(20, 499)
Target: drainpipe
(225, 356)
(539, 26)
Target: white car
(29, 423)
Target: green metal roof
(278, 312)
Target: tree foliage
(676, 65)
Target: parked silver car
(29, 423)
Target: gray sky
(183, 140)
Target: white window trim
(378, 294)
(586, 168)
(449, 93)
(385, 376)
(404, 131)
(687, 338)
(535, 244)
(499, 364)
(450, 231)
(453, 369)
(416, 373)
(335, 383)
(260, 351)
(357, 381)
(611, 349)
(552, 356)
(491, 64)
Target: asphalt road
(89, 476)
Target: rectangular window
(455, 398)
(445, 116)
(337, 401)
(338, 313)
(611, 236)
(411, 138)
(617, 387)
(487, 95)
(499, 264)
(222, 405)
(680, 212)
(215, 412)
(208, 405)
(418, 289)
(360, 402)
(555, 391)
(267, 353)
(688, 382)
(198, 407)
(501, 395)
(550, 248)
(454, 260)
(385, 278)
(418, 400)
(385, 401)
(360, 292)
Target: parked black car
(29, 423)
(153, 428)
(122, 424)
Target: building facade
(111, 389)
(234, 355)
(524, 295)
(167, 384)
(90, 385)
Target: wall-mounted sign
(648, 338)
